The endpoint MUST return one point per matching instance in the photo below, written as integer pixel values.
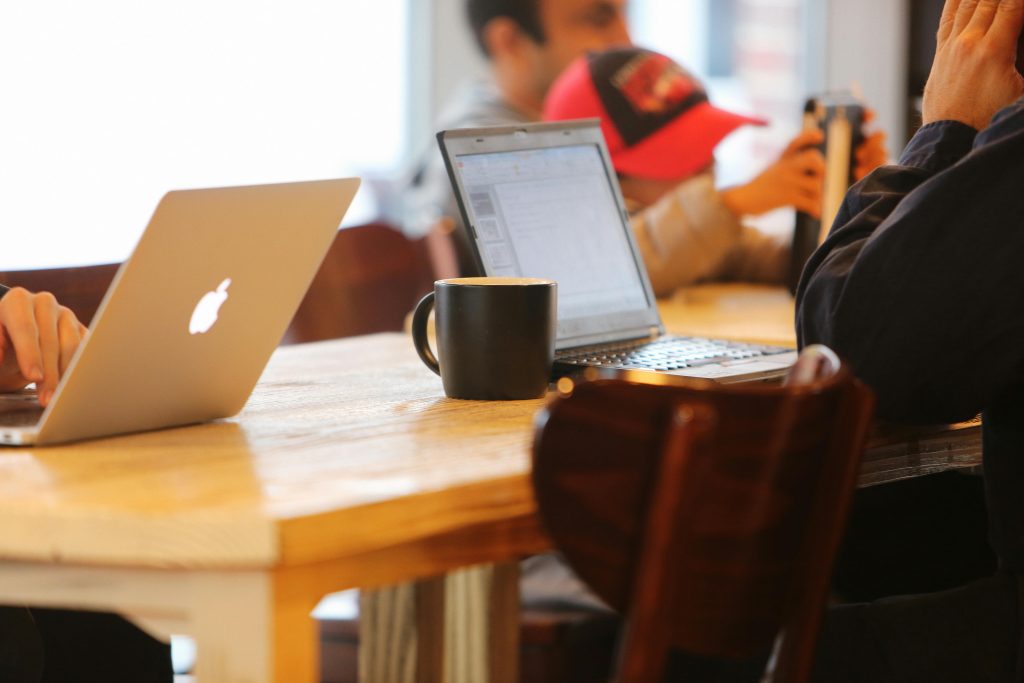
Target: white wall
(107, 105)
(447, 57)
(863, 42)
(848, 41)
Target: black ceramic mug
(495, 336)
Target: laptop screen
(552, 212)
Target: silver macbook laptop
(543, 200)
(192, 318)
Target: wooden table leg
(254, 627)
(466, 625)
(430, 631)
(463, 628)
(504, 611)
(231, 622)
(387, 635)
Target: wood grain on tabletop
(334, 433)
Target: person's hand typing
(795, 179)
(38, 338)
(974, 74)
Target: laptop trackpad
(752, 366)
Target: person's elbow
(903, 365)
(910, 390)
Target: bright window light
(748, 55)
(109, 104)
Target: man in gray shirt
(528, 43)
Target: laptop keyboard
(664, 354)
(19, 410)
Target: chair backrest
(372, 276)
(80, 288)
(709, 515)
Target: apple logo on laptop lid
(205, 315)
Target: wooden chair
(80, 288)
(372, 276)
(708, 515)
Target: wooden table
(753, 313)
(347, 468)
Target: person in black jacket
(920, 286)
(38, 338)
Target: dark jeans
(970, 634)
(955, 618)
(922, 535)
(62, 646)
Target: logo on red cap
(653, 83)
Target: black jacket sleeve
(920, 284)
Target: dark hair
(526, 13)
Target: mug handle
(419, 333)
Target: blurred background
(106, 105)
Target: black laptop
(542, 200)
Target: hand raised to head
(974, 74)
(38, 338)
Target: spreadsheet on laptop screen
(551, 213)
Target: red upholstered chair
(372, 276)
(80, 288)
(708, 515)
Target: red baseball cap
(656, 117)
